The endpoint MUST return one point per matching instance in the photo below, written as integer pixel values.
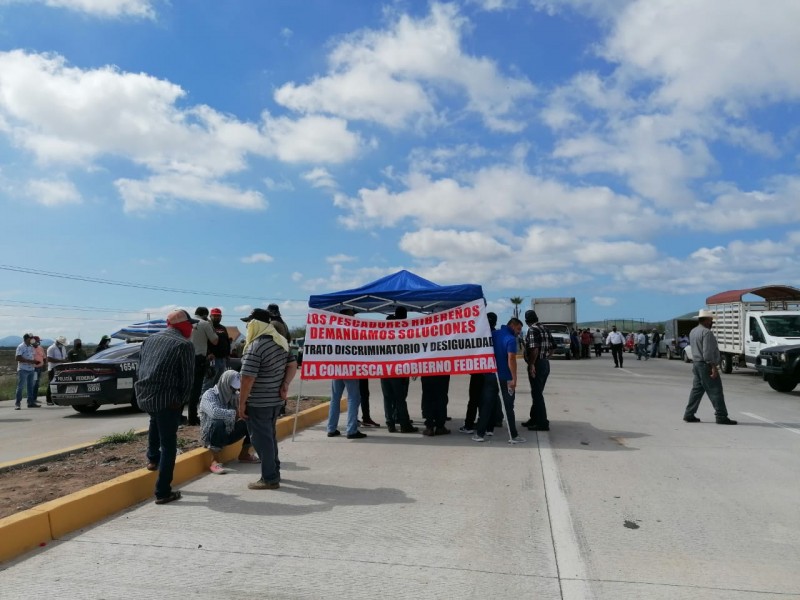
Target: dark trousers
(489, 405)
(200, 363)
(395, 395)
(51, 375)
(703, 383)
(162, 447)
(218, 438)
(616, 353)
(261, 426)
(434, 400)
(508, 401)
(598, 350)
(475, 396)
(538, 408)
(363, 389)
(585, 351)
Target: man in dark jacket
(221, 351)
(166, 372)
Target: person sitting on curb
(219, 423)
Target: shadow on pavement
(106, 413)
(14, 420)
(326, 497)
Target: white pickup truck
(744, 328)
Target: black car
(105, 378)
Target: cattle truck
(761, 334)
(560, 316)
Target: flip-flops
(171, 498)
(217, 469)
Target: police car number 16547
(128, 366)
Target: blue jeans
(261, 426)
(703, 383)
(26, 379)
(641, 350)
(353, 402)
(162, 446)
(538, 408)
(218, 438)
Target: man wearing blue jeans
(26, 372)
(267, 370)
(166, 374)
(353, 402)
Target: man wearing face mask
(166, 373)
(202, 336)
(56, 355)
(220, 352)
(77, 353)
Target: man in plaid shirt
(538, 349)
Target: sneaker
(490, 433)
(263, 485)
(369, 423)
(35, 405)
(478, 438)
(528, 423)
(428, 432)
(217, 469)
(334, 433)
(391, 428)
(691, 419)
(726, 421)
(517, 440)
(16, 407)
(465, 429)
(409, 429)
(356, 436)
(441, 431)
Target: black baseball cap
(259, 314)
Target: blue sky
(639, 155)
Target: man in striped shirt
(267, 370)
(166, 373)
(538, 349)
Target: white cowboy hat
(703, 314)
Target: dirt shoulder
(25, 487)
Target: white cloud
(259, 257)
(604, 301)
(297, 276)
(320, 178)
(73, 117)
(243, 309)
(53, 192)
(99, 8)
(382, 76)
(164, 190)
(453, 245)
(339, 258)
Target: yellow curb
(52, 520)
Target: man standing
(26, 371)
(435, 389)
(616, 341)
(104, 343)
(277, 321)
(656, 341)
(395, 393)
(267, 369)
(41, 361)
(705, 358)
(221, 351)
(165, 380)
(202, 335)
(597, 338)
(56, 354)
(353, 402)
(641, 345)
(539, 347)
(77, 353)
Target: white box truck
(746, 328)
(560, 316)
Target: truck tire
(782, 383)
(684, 357)
(726, 363)
(86, 409)
(669, 354)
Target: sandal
(171, 498)
(252, 459)
(217, 469)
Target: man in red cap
(221, 351)
(166, 372)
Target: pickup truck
(780, 367)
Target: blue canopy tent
(403, 288)
(139, 331)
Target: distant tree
(297, 332)
(516, 301)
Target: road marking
(792, 429)
(569, 560)
(631, 372)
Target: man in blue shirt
(505, 352)
(26, 370)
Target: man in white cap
(56, 354)
(705, 358)
(166, 373)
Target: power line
(31, 304)
(141, 286)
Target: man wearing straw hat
(705, 358)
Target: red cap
(216, 311)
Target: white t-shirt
(55, 352)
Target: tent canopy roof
(403, 288)
(768, 292)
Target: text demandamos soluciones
(397, 349)
(401, 369)
(354, 334)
